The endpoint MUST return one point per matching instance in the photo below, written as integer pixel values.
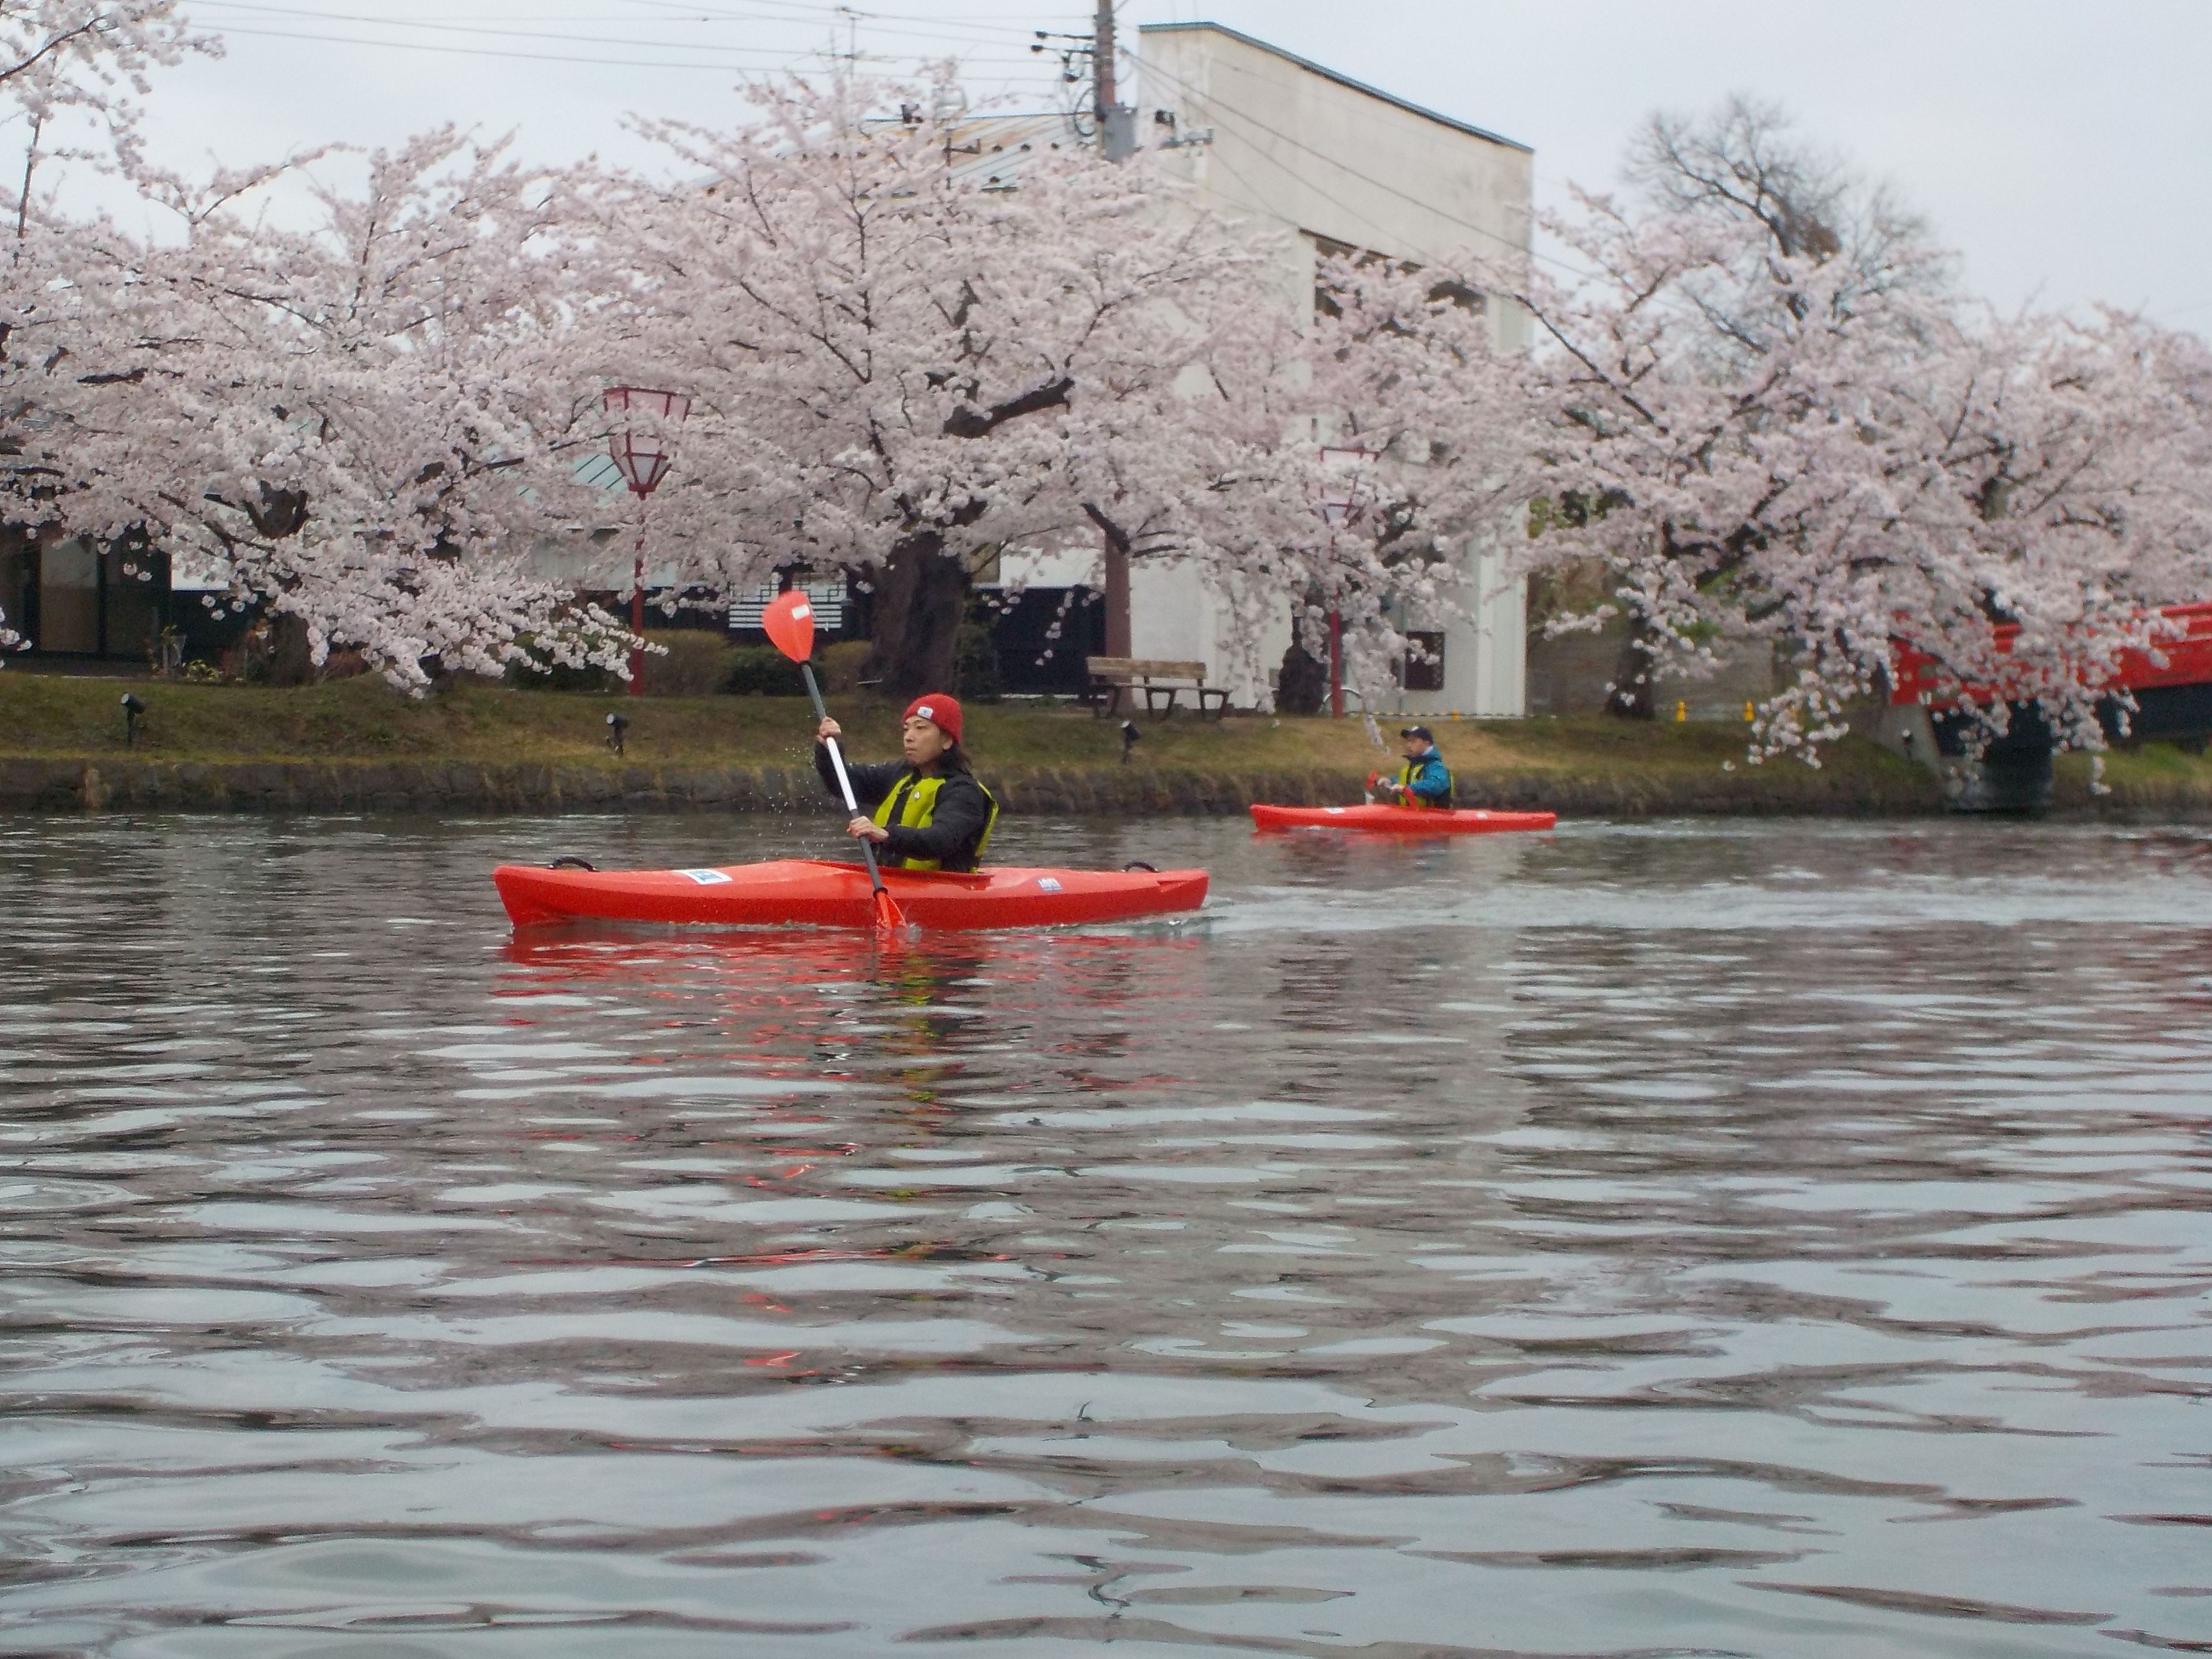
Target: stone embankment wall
(131, 785)
(135, 786)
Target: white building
(1290, 146)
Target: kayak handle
(570, 861)
(1138, 864)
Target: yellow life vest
(912, 804)
(1405, 781)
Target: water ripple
(1721, 1239)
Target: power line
(516, 34)
(764, 55)
(812, 9)
(797, 11)
(1260, 196)
(450, 26)
(490, 51)
(1213, 101)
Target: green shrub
(839, 666)
(759, 671)
(692, 667)
(530, 677)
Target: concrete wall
(1296, 149)
(1486, 652)
(115, 784)
(1569, 674)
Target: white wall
(1486, 652)
(1296, 149)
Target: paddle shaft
(844, 782)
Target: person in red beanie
(929, 812)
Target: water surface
(1776, 1239)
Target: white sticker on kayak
(1049, 884)
(1331, 809)
(704, 878)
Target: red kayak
(1399, 820)
(816, 893)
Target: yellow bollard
(1681, 711)
(1749, 712)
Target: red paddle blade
(889, 916)
(789, 621)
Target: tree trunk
(1631, 697)
(291, 660)
(1304, 685)
(1117, 601)
(1116, 593)
(921, 596)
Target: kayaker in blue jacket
(929, 813)
(1423, 779)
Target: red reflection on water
(817, 1006)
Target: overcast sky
(2062, 147)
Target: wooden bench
(1110, 676)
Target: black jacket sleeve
(955, 826)
(870, 783)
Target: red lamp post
(643, 459)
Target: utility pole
(1117, 127)
(1117, 141)
(1102, 74)
(1101, 61)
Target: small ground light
(1749, 712)
(134, 710)
(1129, 736)
(616, 725)
(1681, 711)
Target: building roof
(1327, 74)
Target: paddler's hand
(827, 730)
(866, 827)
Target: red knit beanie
(940, 710)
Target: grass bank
(1592, 765)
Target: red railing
(2187, 654)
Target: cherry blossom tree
(902, 352)
(1417, 455)
(909, 346)
(86, 59)
(363, 424)
(71, 70)
(1767, 412)
(1333, 464)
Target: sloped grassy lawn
(363, 719)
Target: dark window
(1423, 667)
(1326, 300)
(69, 598)
(1043, 636)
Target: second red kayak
(810, 892)
(1399, 820)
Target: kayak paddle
(790, 624)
